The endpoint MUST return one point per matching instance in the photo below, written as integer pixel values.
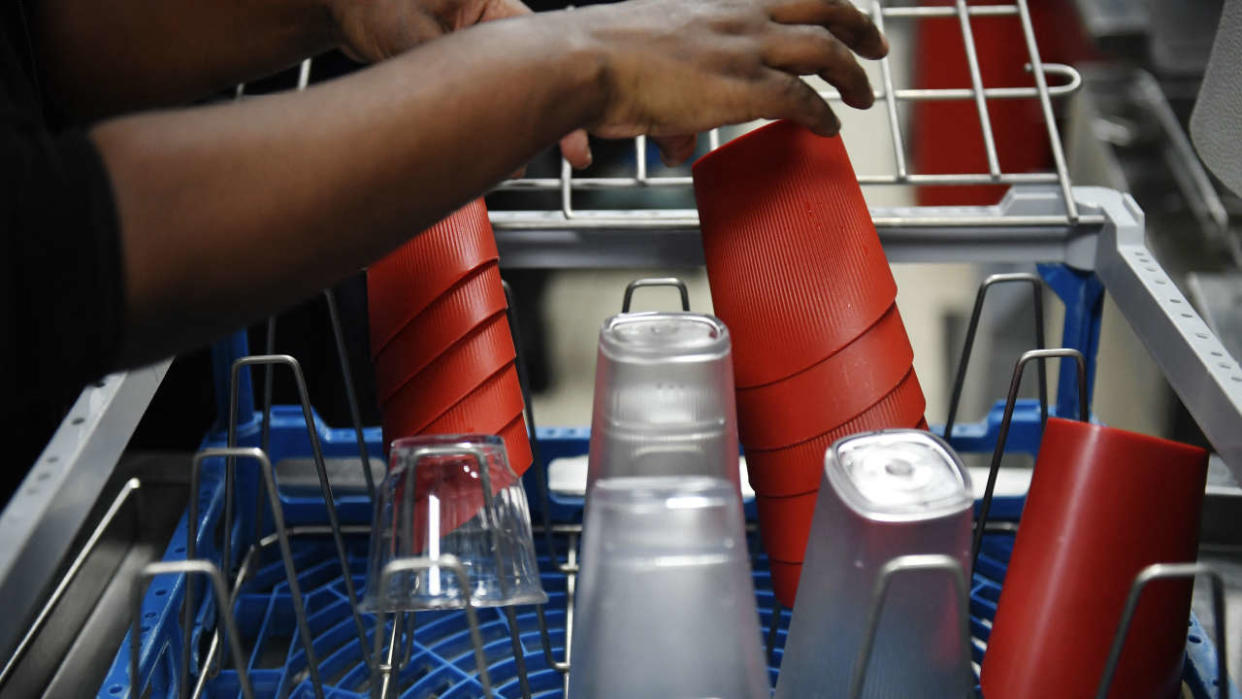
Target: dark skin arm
(106, 58)
(231, 212)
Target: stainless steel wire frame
(1068, 80)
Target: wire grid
(570, 218)
(441, 663)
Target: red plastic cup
(785, 581)
(798, 469)
(827, 394)
(793, 259)
(447, 320)
(484, 409)
(409, 279)
(517, 445)
(492, 408)
(453, 375)
(786, 524)
(1104, 503)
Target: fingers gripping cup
(452, 494)
(663, 398)
(665, 605)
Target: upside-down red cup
(448, 319)
(785, 581)
(484, 409)
(827, 394)
(488, 406)
(1103, 504)
(457, 372)
(794, 263)
(410, 278)
(786, 525)
(799, 468)
(490, 409)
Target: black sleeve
(61, 281)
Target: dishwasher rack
(1086, 241)
(439, 661)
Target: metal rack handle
(656, 281)
(959, 380)
(222, 613)
(541, 476)
(386, 669)
(879, 594)
(230, 454)
(325, 487)
(1002, 434)
(1168, 571)
(485, 482)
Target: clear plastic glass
(663, 398)
(884, 494)
(664, 604)
(435, 501)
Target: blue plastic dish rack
(442, 663)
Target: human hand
(373, 30)
(677, 67)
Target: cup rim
(1111, 432)
(713, 349)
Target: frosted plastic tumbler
(452, 494)
(884, 494)
(665, 606)
(663, 398)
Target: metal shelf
(44, 516)
(1025, 226)
(1192, 358)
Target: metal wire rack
(1051, 81)
(1092, 239)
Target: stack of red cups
(440, 341)
(798, 275)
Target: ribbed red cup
(786, 481)
(785, 581)
(491, 408)
(1103, 504)
(798, 468)
(827, 394)
(453, 375)
(786, 525)
(793, 259)
(488, 407)
(413, 276)
(446, 321)
(477, 354)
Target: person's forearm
(231, 212)
(106, 58)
